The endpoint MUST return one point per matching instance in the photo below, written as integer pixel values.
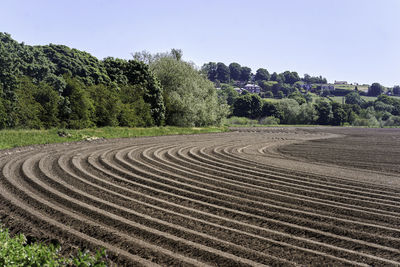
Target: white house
(252, 88)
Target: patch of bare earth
(253, 196)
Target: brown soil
(253, 196)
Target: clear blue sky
(352, 40)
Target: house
(340, 82)
(252, 88)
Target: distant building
(252, 88)
(340, 82)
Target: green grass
(15, 251)
(17, 138)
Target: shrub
(14, 251)
(271, 120)
(240, 121)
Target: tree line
(56, 86)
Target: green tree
(222, 72)
(262, 75)
(338, 114)
(190, 99)
(249, 105)
(298, 97)
(396, 90)
(106, 104)
(307, 114)
(235, 71)
(354, 98)
(288, 111)
(375, 89)
(245, 73)
(324, 110)
(210, 70)
(80, 105)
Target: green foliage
(22, 137)
(249, 105)
(106, 104)
(190, 99)
(222, 72)
(375, 89)
(324, 110)
(271, 120)
(81, 106)
(262, 75)
(245, 73)
(14, 251)
(239, 121)
(288, 110)
(227, 94)
(235, 70)
(354, 98)
(307, 114)
(298, 97)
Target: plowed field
(253, 196)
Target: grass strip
(22, 137)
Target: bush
(392, 121)
(271, 120)
(14, 251)
(240, 121)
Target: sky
(350, 40)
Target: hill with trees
(57, 86)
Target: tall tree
(375, 89)
(235, 70)
(245, 74)
(210, 70)
(222, 72)
(262, 75)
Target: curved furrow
(271, 182)
(122, 214)
(221, 199)
(287, 248)
(232, 157)
(208, 198)
(275, 213)
(42, 210)
(291, 179)
(361, 211)
(295, 209)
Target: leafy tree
(338, 114)
(49, 100)
(298, 97)
(106, 105)
(222, 72)
(269, 109)
(288, 111)
(139, 73)
(249, 105)
(210, 70)
(262, 75)
(116, 70)
(134, 111)
(228, 94)
(80, 105)
(375, 89)
(307, 114)
(235, 71)
(190, 99)
(396, 90)
(290, 77)
(245, 74)
(324, 110)
(354, 98)
(27, 110)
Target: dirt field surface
(253, 196)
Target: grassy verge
(17, 138)
(15, 251)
